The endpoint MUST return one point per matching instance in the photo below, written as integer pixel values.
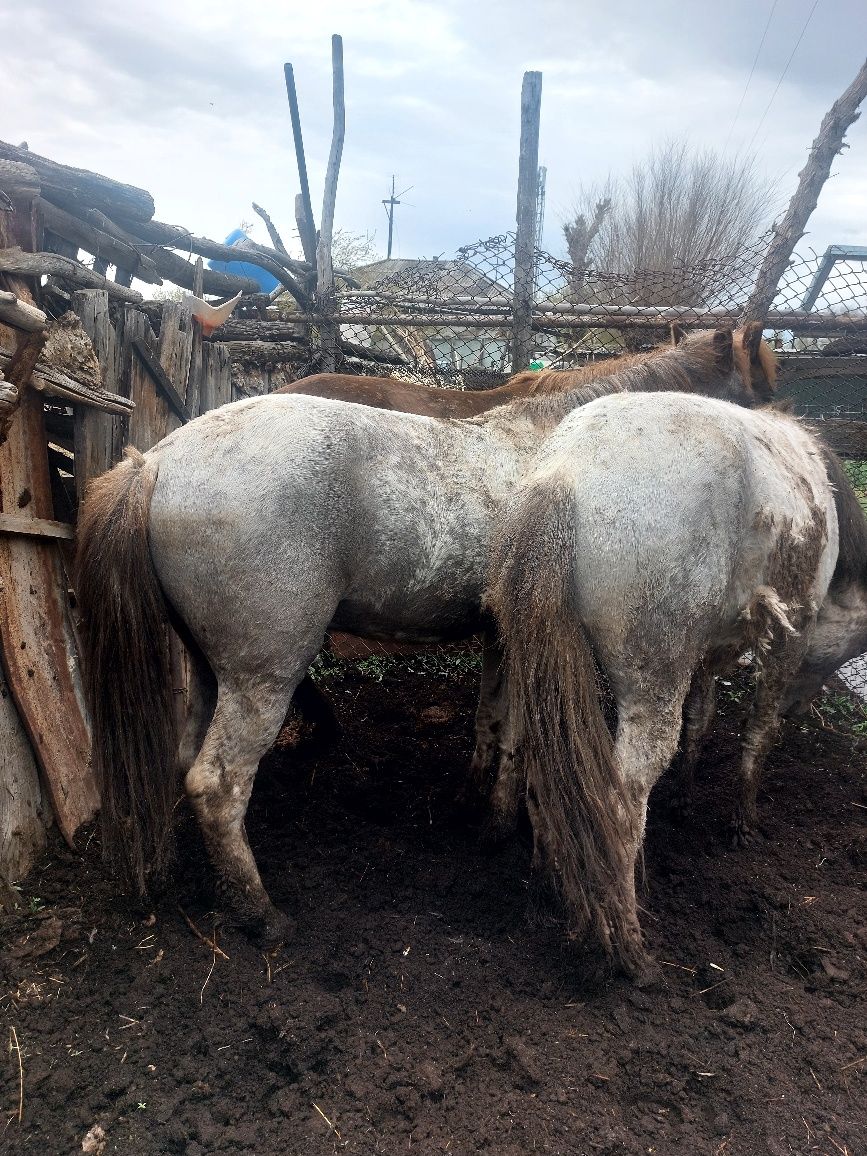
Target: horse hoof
(743, 833)
(273, 931)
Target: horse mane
(533, 383)
(674, 370)
(851, 565)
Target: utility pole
(389, 204)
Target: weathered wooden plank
(525, 237)
(35, 527)
(35, 630)
(98, 435)
(160, 377)
(149, 420)
(216, 389)
(22, 815)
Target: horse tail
(127, 671)
(584, 822)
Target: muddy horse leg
(647, 739)
(698, 713)
(200, 710)
(246, 721)
(777, 669)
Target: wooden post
(525, 237)
(789, 231)
(304, 214)
(328, 327)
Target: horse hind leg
(779, 654)
(246, 721)
(698, 713)
(647, 738)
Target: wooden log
(20, 313)
(812, 178)
(262, 353)
(98, 435)
(100, 243)
(329, 330)
(70, 186)
(15, 260)
(174, 268)
(846, 438)
(278, 264)
(525, 237)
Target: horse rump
(585, 826)
(126, 671)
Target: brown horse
(753, 358)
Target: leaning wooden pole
(788, 231)
(525, 238)
(328, 327)
(304, 213)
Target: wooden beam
(35, 527)
(304, 208)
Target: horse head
(756, 362)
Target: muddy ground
(420, 1008)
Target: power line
(752, 70)
(783, 76)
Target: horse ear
(723, 349)
(751, 335)
(677, 333)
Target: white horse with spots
(658, 538)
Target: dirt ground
(420, 1008)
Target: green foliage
(843, 712)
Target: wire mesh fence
(452, 322)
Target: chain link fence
(452, 322)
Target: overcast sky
(187, 99)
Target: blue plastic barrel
(262, 277)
